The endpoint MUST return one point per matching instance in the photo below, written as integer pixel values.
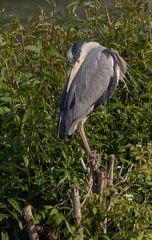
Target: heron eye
(71, 61)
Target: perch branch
(95, 173)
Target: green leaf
(55, 53)
(140, 236)
(104, 237)
(77, 237)
(48, 207)
(3, 216)
(14, 214)
(27, 115)
(33, 48)
(3, 85)
(16, 144)
(149, 180)
(55, 80)
(15, 205)
(4, 235)
(26, 161)
(94, 210)
(70, 229)
(20, 224)
(4, 110)
(6, 99)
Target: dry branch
(98, 179)
(111, 170)
(95, 174)
(76, 208)
(83, 165)
(48, 232)
(28, 216)
(125, 177)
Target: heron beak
(73, 73)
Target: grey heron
(94, 76)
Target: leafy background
(35, 167)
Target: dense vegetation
(38, 169)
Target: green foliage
(37, 168)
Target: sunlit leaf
(15, 205)
(6, 99)
(33, 48)
(4, 235)
(55, 53)
(26, 116)
(4, 110)
(3, 216)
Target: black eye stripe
(76, 49)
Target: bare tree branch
(120, 171)
(128, 186)
(47, 231)
(76, 208)
(87, 195)
(110, 171)
(124, 179)
(95, 174)
(28, 216)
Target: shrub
(37, 168)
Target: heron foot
(95, 159)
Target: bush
(37, 168)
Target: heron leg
(92, 154)
(84, 138)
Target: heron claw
(95, 158)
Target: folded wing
(93, 84)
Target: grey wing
(93, 85)
(63, 119)
(92, 81)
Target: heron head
(79, 51)
(75, 52)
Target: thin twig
(111, 170)
(120, 171)
(86, 13)
(127, 187)
(83, 164)
(124, 179)
(87, 195)
(105, 223)
(108, 16)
